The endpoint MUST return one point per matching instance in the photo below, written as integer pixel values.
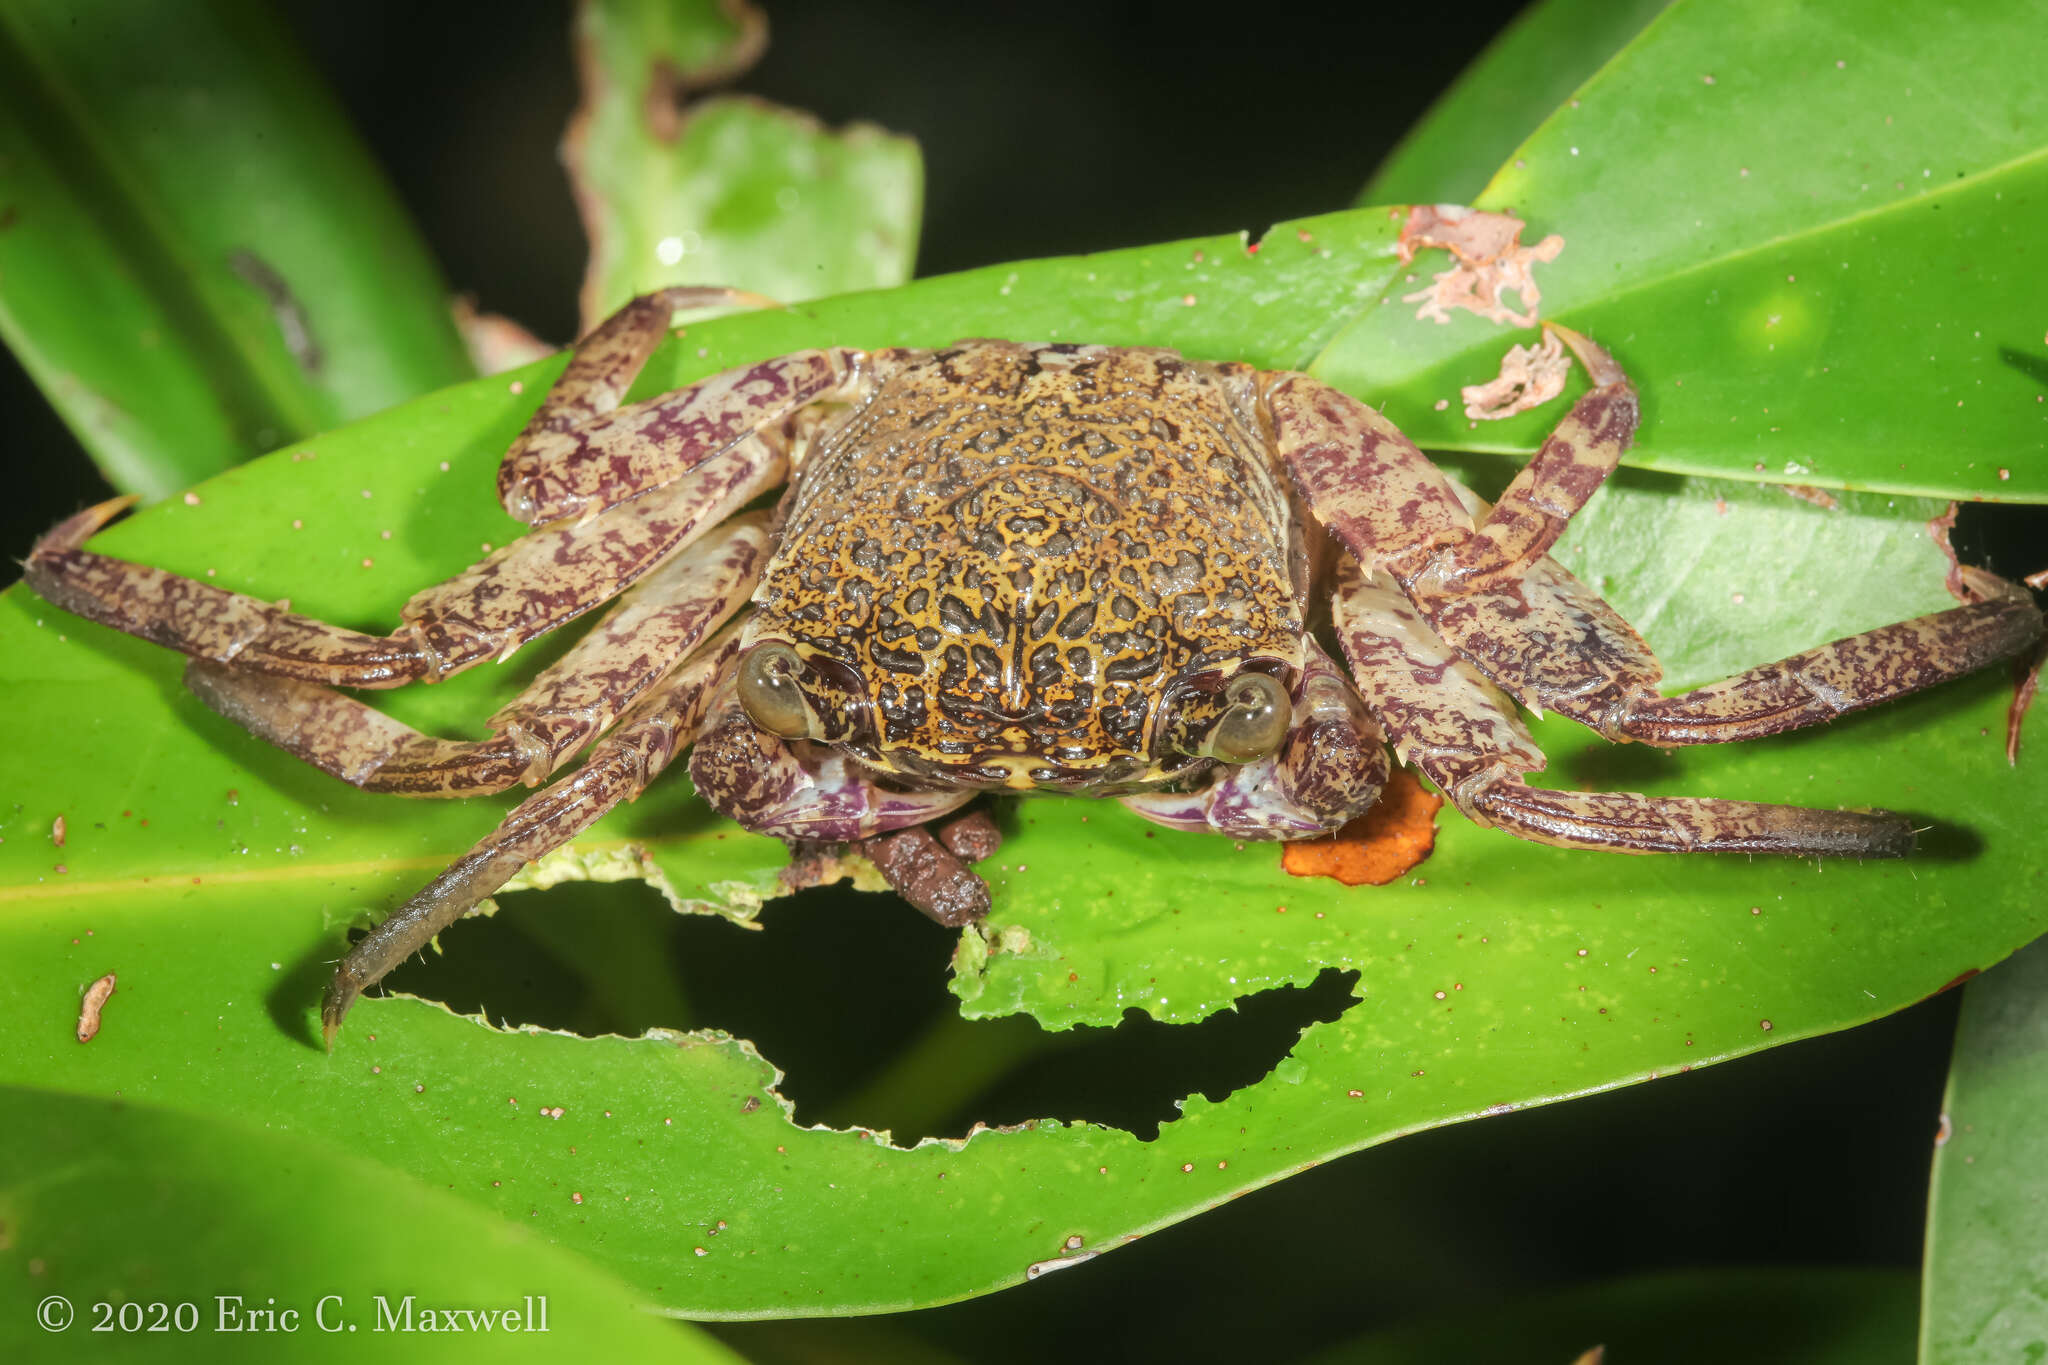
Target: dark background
(1050, 129)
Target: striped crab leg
(582, 452)
(538, 582)
(619, 768)
(1445, 717)
(665, 617)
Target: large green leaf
(728, 191)
(1558, 972)
(1985, 1292)
(1812, 229)
(133, 1231)
(198, 261)
(1525, 73)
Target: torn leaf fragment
(1491, 262)
(1530, 376)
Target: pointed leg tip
(1604, 368)
(334, 1006)
(1896, 836)
(80, 527)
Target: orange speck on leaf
(1396, 834)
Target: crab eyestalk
(771, 694)
(1255, 723)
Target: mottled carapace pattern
(1015, 564)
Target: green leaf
(198, 261)
(1987, 1261)
(1810, 229)
(1560, 972)
(729, 191)
(117, 1208)
(1780, 1316)
(1530, 69)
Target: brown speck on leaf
(1530, 376)
(191, 499)
(1387, 841)
(750, 1104)
(1491, 261)
(89, 1008)
(57, 831)
(1819, 497)
(1765, 1025)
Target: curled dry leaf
(1530, 376)
(96, 996)
(1491, 261)
(1388, 840)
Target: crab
(1005, 567)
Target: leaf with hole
(218, 878)
(728, 190)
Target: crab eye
(768, 690)
(1255, 723)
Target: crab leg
(666, 616)
(582, 452)
(1614, 691)
(529, 587)
(1567, 469)
(1492, 592)
(1327, 772)
(1447, 719)
(619, 769)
